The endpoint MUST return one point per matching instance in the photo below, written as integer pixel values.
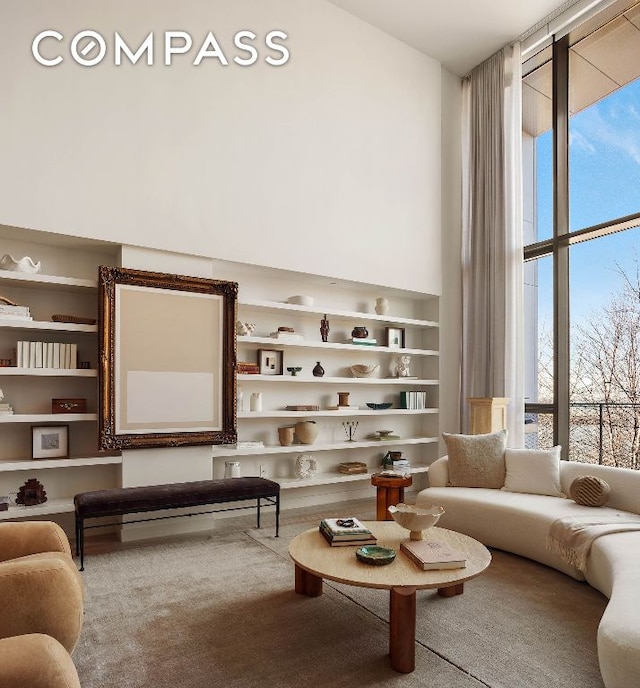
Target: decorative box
(68, 406)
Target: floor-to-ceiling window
(581, 152)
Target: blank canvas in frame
(168, 353)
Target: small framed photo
(270, 361)
(395, 337)
(49, 441)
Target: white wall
(329, 164)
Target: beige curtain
(492, 350)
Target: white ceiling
(460, 34)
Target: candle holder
(350, 428)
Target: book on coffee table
(433, 555)
(346, 531)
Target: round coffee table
(315, 559)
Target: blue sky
(604, 182)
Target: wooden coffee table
(315, 559)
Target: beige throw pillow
(533, 471)
(476, 460)
(589, 490)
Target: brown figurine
(324, 328)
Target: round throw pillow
(589, 491)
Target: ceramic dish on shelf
(301, 300)
(381, 406)
(375, 555)
(362, 370)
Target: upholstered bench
(133, 500)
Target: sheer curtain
(492, 311)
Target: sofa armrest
(20, 538)
(41, 593)
(439, 472)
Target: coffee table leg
(307, 583)
(402, 629)
(452, 590)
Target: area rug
(204, 611)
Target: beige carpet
(220, 610)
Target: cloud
(612, 123)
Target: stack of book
(46, 355)
(341, 532)
(364, 341)
(433, 555)
(352, 467)
(287, 336)
(5, 410)
(248, 368)
(11, 312)
(400, 465)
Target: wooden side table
(389, 492)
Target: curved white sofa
(519, 523)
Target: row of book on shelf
(46, 355)
(426, 554)
(413, 400)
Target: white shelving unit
(30, 390)
(417, 428)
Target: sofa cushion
(589, 490)
(476, 460)
(533, 471)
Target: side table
(389, 492)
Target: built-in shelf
(223, 451)
(47, 326)
(332, 477)
(60, 418)
(273, 342)
(38, 281)
(343, 412)
(40, 464)
(247, 377)
(49, 372)
(51, 506)
(347, 315)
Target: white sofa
(519, 523)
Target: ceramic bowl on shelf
(362, 370)
(416, 519)
(301, 300)
(381, 406)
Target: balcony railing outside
(606, 433)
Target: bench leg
(277, 514)
(258, 505)
(80, 540)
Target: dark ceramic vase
(360, 332)
(318, 370)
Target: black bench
(132, 500)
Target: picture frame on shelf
(49, 441)
(270, 361)
(395, 337)
(183, 392)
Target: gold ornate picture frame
(167, 360)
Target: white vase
(256, 401)
(382, 305)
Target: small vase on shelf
(318, 370)
(382, 305)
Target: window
(581, 152)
